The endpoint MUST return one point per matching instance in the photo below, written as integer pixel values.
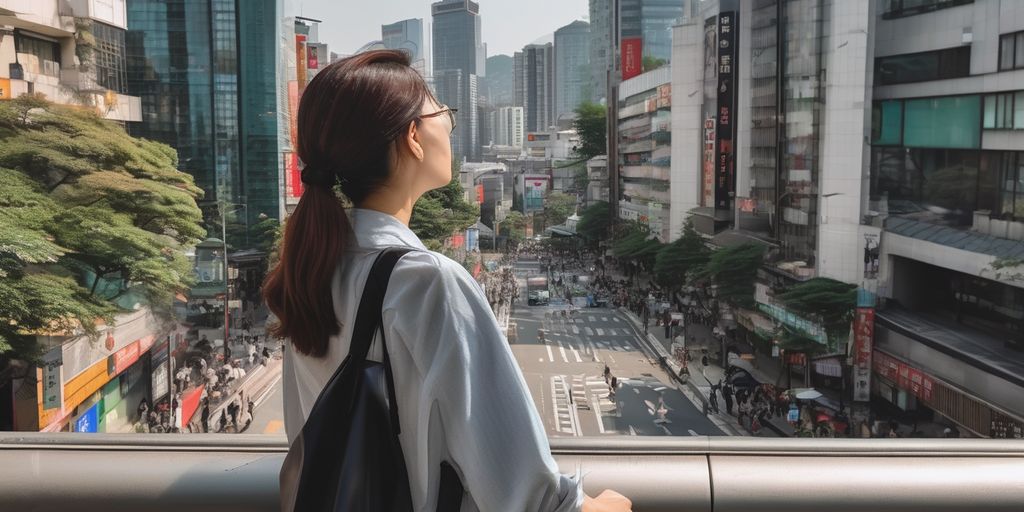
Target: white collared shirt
(461, 395)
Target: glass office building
(205, 71)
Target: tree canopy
(734, 271)
(89, 217)
(594, 221)
(558, 207)
(590, 125)
(441, 212)
(826, 300)
(684, 255)
(514, 225)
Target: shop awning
(828, 367)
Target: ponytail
(298, 289)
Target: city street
(564, 372)
(268, 414)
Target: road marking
(605, 319)
(600, 331)
(540, 359)
(273, 427)
(575, 329)
(593, 350)
(561, 348)
(575, 353)
(692, 433)
(632, 431)
(551, 356)
(589, 331)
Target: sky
(507, 25)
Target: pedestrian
(143, 410)
(233, 412)
(607, 374)
(713, 400)
(727, 395)
(222, 423)
(205, 415)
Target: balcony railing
(226, 473)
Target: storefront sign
(122, 359)
(726, 129)
(300, 61)
(89, 421)
(863, 345)
(632, 57)
(53, 380)
(5, 89)
(708, 197)
(159, 381)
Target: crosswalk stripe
(600, 331)
(561, 349)
(589, 331)
(551, 356)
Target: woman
(369, 124)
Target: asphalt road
(563, 361)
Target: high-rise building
(535, 85)
(201, 70)
(508, 126)
(602, 47)
(572, 67)
(645, 148)
(407, 35)
(39, 46)
(647, 24)
(459, 59)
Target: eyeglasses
(445, 109)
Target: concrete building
(602, 47)
(651, 22)
(572, 66)
(49, 53)
(899, 173)
(645, 151)
(407, 35)
(459, 58)
(508, 128)
(534, 76)
(551, 144)
(597, 180)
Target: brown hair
(349, 116)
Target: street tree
(89, 217)
(514, 226)
(825, 300)
(675, 260)
(594, 222)
(733, 270)
(558, 207)
(590, 125)
(441, 212)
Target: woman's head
(370, 121)
(369, 124)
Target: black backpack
(347, 457)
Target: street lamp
(222, 206)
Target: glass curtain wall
(764, 60)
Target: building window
(924, 66)
(887, 123)
(110, 57)
(1011, 51)
(38, 56)
(998, 111)
(945, 122)
(903, 8)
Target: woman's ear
(412, 141)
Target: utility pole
(227, 286)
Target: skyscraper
(459, 58)
(650, 22)
(200, 68)
(534, 76)
(602, 47)
(407, 35)
(572, 66)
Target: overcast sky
(508, 25)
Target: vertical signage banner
(300, 61)
(89, 421)
(53, 382)
(724, 175)
(632, 57)
(863, 339)
(708, 197)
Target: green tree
(442, 212)
(514, 226)
(650, 63)
(680, 257)
(594, 222)
(558, 207)
(827, 301)
(88, 215)
(734, 271)
(590, 125)
(633, 242)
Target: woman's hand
(607, 501)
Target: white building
(508, 128)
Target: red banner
(885, 366)
(632, 57)
(189, 404)
(480, 193)
(863, 337)
(293, 174)
(119, 361)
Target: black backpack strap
(368, 316)
(449, 497)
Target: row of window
(1004, 111)
(943, 122)
(902, 8)
(1011, 51)
(946, 63)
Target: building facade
(534, 76)
(407, 35)
(509, 124)
(459, 58)
(572, 67)
(645, 151)
(602, 47)
(200, 68)
(72, 53)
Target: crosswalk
(572, 349)
(572, 394)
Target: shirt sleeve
(493, 432)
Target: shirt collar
(375, 230)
